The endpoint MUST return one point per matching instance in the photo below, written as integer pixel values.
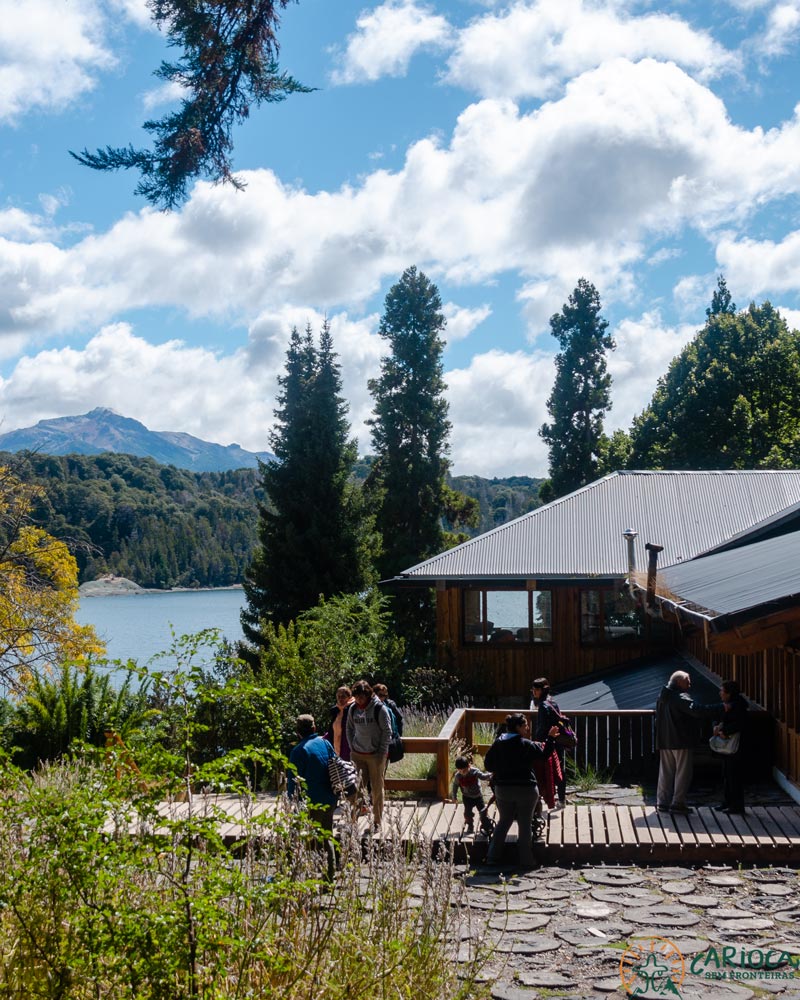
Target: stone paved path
(563, 932)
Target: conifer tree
(409, 435)
(312, 535)
(730, 400)
(581, 393)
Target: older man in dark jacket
(678, 732)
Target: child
(468, 779)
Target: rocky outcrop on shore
(109, 585)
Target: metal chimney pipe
(652, 563)
(630, 536)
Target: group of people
(678, 730)
(362, 724)
(525, 769)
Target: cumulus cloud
(386, 38)
(172, 386)
(461, 321)
(531, 48)
(757, 266)
(645, 348)
(497, 405)
(781, 31)
(576, 188)
(168, 93)
(50, 53)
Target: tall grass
(103, 895)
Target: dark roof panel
(727, 583)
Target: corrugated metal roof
(580, 535)
(740, 579)
(637, 685)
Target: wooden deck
(630, 834)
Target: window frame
(605, 639)
(485, 641)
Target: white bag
(724, 744)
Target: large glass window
(502, 616)
(609, 616)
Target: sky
(505, 149)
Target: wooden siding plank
(772, 825)
(656, 831)
(701, 835)
(626, 827)
(640, 827)
(584, 826)
(684, 829)
(610, 814)
(554, 831)
(727, 829)
(599, 835)
(569, 825)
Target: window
(507, 616)
(609, 616)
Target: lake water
(137, 627)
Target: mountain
(102, 430)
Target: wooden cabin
(547, 593)
(737, 611)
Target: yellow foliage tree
(38, 590)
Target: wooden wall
(504, 671)
(771, 678)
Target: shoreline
(119, 586)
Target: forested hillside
(500, 500)
(165, 527)
(155, 524)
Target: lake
(137, 627)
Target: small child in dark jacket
(468, 779)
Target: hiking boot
(681, 810)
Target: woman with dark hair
(734, 720)
(510, 759)
(337, 730)
(554, 776)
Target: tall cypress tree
(409, 435)
(311, 530)
(581, 393)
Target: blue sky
(507, 149)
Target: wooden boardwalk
(621, 834)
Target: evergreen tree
(409, 435)
(228, 66)
(581, 393)
(721, 300)
(730, 400)
(311, 529)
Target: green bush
(103, 894)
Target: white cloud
(576, 188)
(497, 405)
(781, 30)
(386, 39)
(461, 321)
(645, 348)
(168, 93)
(172, 386)
(531, 48)
(759, 266)
(50, 53)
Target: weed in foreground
(104, 894)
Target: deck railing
(606, 741)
